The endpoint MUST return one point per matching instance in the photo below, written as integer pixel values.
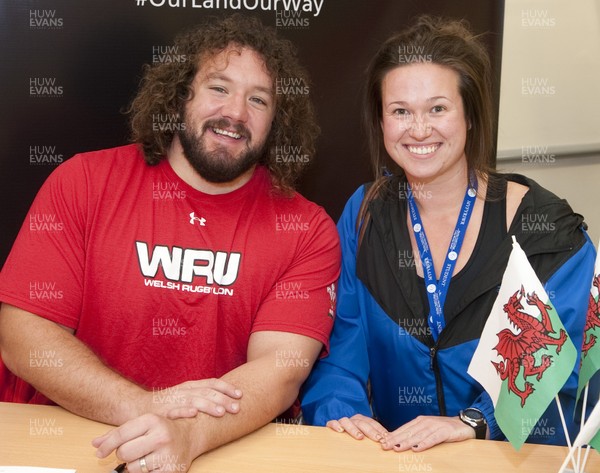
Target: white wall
(549, 126)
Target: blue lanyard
(437, 290)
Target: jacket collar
(388, 226)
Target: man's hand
(359, 426)
(269, 388)
(212, 396)
(162, 444)
(426, 431)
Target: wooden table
(52, 437)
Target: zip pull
(432, 352)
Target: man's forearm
(269, 389)
(269, 383)
(74, 377)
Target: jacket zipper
(439, 387)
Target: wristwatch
(475, 419)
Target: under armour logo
(201, 220)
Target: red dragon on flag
(523, 339)
(592, 320)
(518, 349)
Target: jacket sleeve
(337, 386)
(486, 406)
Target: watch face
(473, 414)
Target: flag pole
(584, 406)
(585, 458)
(587, 448)
(564, 425)
(566, 462)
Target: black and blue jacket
(383, 361)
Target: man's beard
(218, 165)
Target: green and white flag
(590, 351)
(525, 355)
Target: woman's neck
(440, 196)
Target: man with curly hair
(184, 290)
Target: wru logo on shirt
(181, 265)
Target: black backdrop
(70, 67)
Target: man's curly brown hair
(166, 87)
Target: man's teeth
(231, 134)
(423, 149)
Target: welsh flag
(590, 351)
(525, 355)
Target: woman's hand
(359, 426)
(426, 431)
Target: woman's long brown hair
(448, 43)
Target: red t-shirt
(163, 282)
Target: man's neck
(190, 176)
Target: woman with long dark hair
(424, 249)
